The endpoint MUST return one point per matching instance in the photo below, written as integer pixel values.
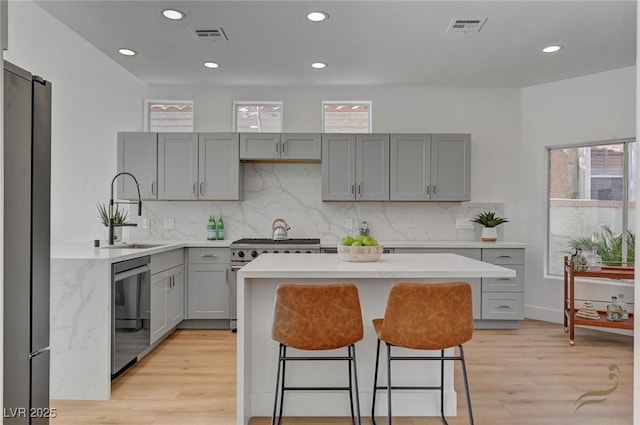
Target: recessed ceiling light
(173, 14)
(127, 52)
(552, 48)
(317, 16)
(318, 65)
(211, 65)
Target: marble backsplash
(293, 192)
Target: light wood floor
(529, 376)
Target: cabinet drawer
(166, 260)
(505, 284)
(503, 255)
(503, 305)
(209, 255)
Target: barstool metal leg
(353, 418)
(275, 399)
(375, 384)
(388, 383)
(466, 385)
(357, 390)
(442, 387)
(284, 369)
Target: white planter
(489, 234)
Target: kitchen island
(257, 352)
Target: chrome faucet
(112, 224)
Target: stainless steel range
(245, 250)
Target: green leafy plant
(489, 219)
(119, 215)
(608, 244)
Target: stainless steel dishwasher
(130, 308)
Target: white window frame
(347, 103)
(146, 122)
(251, 103)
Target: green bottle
(220, 228)
(211, 229)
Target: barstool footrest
(317, 388)
(393, 387)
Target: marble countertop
(120, 252)
(389, 265)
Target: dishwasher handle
(131, 272)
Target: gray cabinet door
(372, 167)
(338, 167)
(208, 291)
(175, 302)
(410, 167)
(451, 167)
(259, 145)
(219, 167)
(177, 166)
(159, 303)
(138, 155)
(305, 146)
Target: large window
(591, 201)
(346, 117)
(168, 116)
(257, 117)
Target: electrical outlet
(348, 224)
(168, 223)
(146, 223)
(464, 223)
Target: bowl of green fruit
(359, 249)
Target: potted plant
(489, 220)
(119, 217)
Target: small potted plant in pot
(489, 220)
(119, 217)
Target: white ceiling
(364, 42)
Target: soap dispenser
(364, 228)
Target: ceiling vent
(466, 25)
(214, 35)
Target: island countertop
(389, 265)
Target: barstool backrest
(428, 316)
(317, 317)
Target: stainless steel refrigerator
(27, 195)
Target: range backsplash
(293, 192)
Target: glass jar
(579, 261)
(624, 314)
(594, 260)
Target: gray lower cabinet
(167, 292)
(280, 146)
(355, 167)
(503, 298)
(208, 288)
(180, 166)
(138, 155)
(430, 167)
(497, 302)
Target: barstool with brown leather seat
(317, 317)
(425, 316)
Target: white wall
(591, 108)
(93, 98)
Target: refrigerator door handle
(38, 352)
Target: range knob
(275, 252)
(286, 252)
(241, 254)
(254, 254)
(297, 252)
(307, 252)
(264, 252)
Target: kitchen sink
(132, 246)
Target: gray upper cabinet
(180, 166)
(177, 166)
(219, 169)
(138, 155)
(280, 146)
(430, 167)
(355, 167)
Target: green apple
(356, 243)
(347, 240)
(369, 241)
(360, 237)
